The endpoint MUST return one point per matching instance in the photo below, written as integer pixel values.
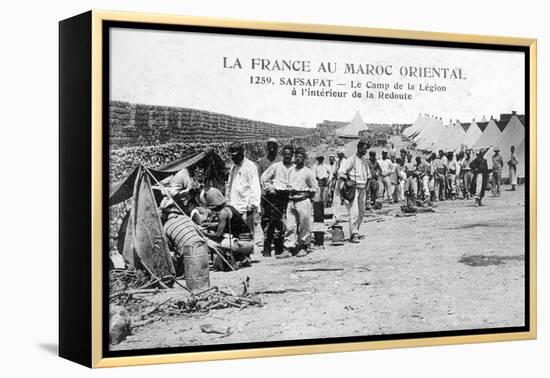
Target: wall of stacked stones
(122, 161)
(141, 125)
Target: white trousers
(356, 210)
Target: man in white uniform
(356, 171)
(243, 187)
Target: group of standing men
(280, 187)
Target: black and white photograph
(268, 189)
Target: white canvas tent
(433, 132)
(443, 137)
(452, 139)
(512, 135)
(415, 128)
(352, 129)
(490, 136)
(471, 136)
(424, 129)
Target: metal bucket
(337, 234)
(319, 238)
(195, 262)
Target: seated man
(226, 230)
(184, 188)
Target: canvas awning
(141, 236)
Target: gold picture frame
(90, 329)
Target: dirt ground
(459, 268)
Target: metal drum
(195, 262)
(182, 232)
(337, 235)
(245, 237)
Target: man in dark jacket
(372, 182)
(480, 171)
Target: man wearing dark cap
(422, 172)
(333, 176)
(226, 230)
(466, 173)
(481, 175)
(275, 183)
(354, 173)
(439, 172)
(410, 188)
(372, 182)
(322, 174)
(272, 157)
(243, 186)
(337, 203)
(302, 187)
(403, 154)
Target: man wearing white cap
(513, 167)
(385, 171)
(322, 174)
(498, 163)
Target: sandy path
(404, 276)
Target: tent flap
(150, 245)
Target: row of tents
(430, 133)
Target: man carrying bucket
(355, 173)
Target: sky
(187, 70)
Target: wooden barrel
(195, 261)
